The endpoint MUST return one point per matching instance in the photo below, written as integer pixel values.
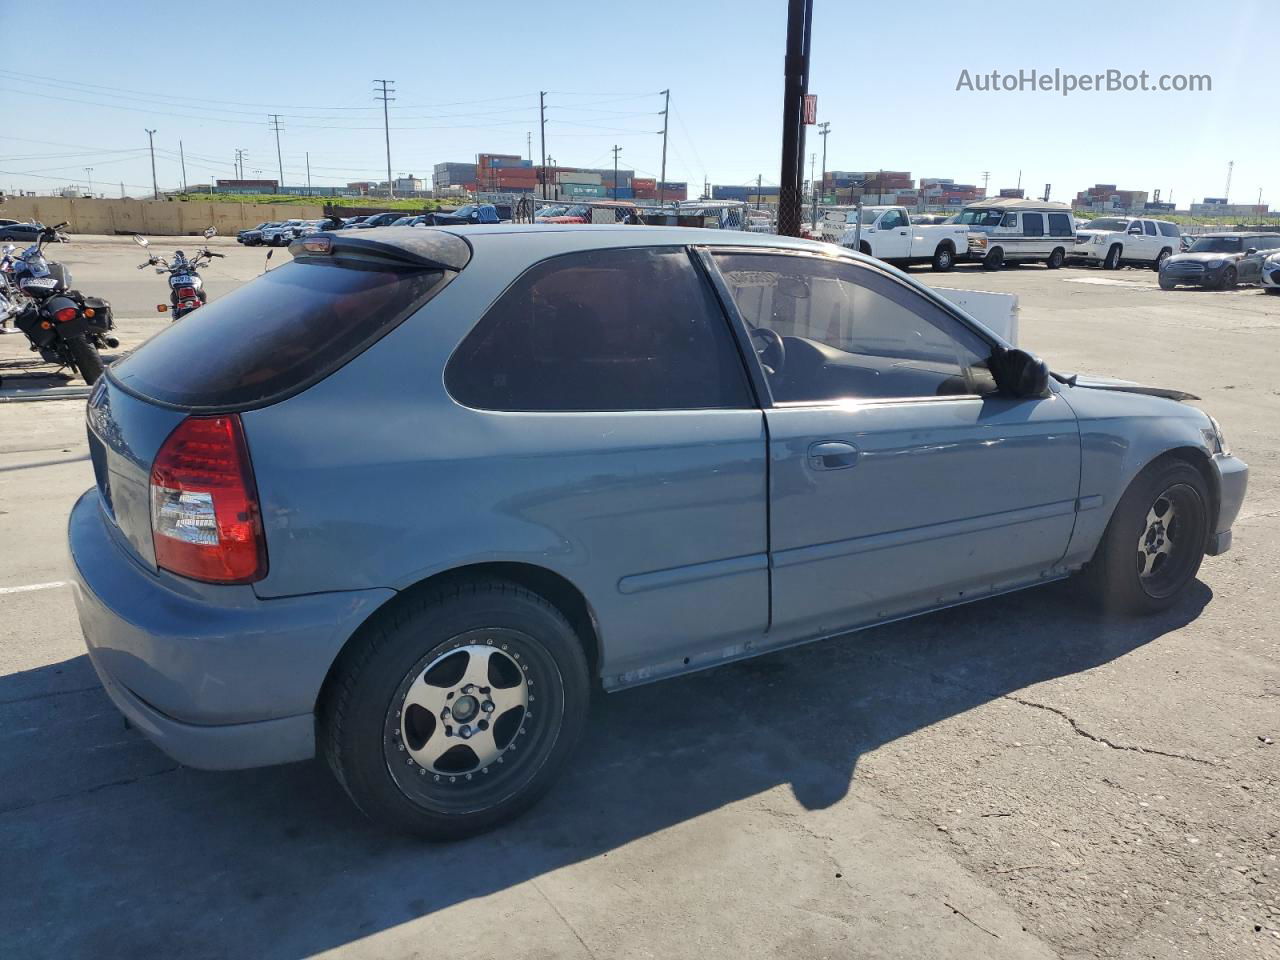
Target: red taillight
(205, 521)
(186, 293)
(66, 314)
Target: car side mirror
(1019, 373)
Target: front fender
(1120, 435)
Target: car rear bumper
(214, 676)
(1233, 481)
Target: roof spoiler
(413, 246)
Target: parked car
(891, 234)
(352, 222)
(5, 222)
(27, 233)
(1013, 230)
(1110, 242)
(1271, 273)
(403, 500)
(472, 213)
(597, 211)
(312, 226)
(283, 233)
(379, 220)
(253, 236)
(1219, 261)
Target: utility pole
(813, 190)
(121, 189)
(155, 189)
(616, 148)
(528, 144)
(986, 179)
(241, 156)
(386, 128)
(795, 86)
(275, 125)
(542, 122)
(666, 116)
(308, 171)
(1226, 193)
(824, 128)
(88, 172)
(759, 180)
(182, 158)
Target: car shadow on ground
(120, 853)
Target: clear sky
(467, 76)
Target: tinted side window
(1033, 224)
(1169, 229)
(847, 331)
(1149, 228)
(893, 219)
(631, 329)
(1010, 220)
(1060, 225)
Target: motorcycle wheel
(86, 358)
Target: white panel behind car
(997, 311)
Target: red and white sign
(810, 108)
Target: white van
(1008, 229)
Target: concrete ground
(1015, 778)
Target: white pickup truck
(888, 234)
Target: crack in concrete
(1081, 731)
(18, 808)
(563, 919)
(52, 693)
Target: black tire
(1056, 259)
(85, 355)
(944, 258)
(1161, 257)
(1167, 284)
(1271, 289)
(1114, 574)
(1228, 279)
(994, 259)
(864, 247)
(1112, 262)
(360, 720)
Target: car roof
(643, 235)
(1016, 203)
(1236, 233)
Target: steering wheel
(770, 349)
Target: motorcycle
(62, 324)
(186, 289)
(10, 297)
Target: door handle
(832, 455)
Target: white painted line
(34, 586)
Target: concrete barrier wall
(153, 217)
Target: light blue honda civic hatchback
(405, 500)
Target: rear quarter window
(277, 334)
(624, 329)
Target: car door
(900, 478)
(1151, 241)
(1250, 267)
(892, 240)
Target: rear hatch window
(278, 334)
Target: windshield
(1217, 245)
(981, 218)
(551, 211)
(1112, 224)
(466, 211)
